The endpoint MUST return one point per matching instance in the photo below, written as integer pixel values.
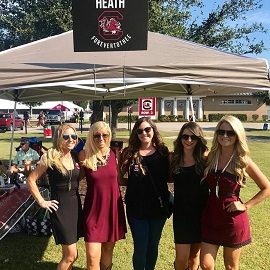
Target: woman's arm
(122, 181)
(31, 182)
(81, 158)
(262, 182)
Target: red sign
(147, 106)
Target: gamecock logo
(109, 25)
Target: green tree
(262, 97)
(31, 105)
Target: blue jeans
(146, 234)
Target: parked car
(6, 121)
(55, 117)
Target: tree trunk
(114, 115)
(97, 111)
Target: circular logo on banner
(110, 26)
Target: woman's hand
(50, 205)
(236, 206)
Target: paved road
(163, 126)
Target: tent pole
(12, 134)
(192, 108)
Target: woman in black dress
(146, 154)
(187, 166)
(62, 167)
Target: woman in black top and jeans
(145, 216)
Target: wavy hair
(93, 154)
(55, 154)
(239, 161)
(177, 158)
(131, 155)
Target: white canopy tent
(49, 70)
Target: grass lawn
(23, 252)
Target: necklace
(104, 160)
(70, 172)
(222, 171)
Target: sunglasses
(140, 131)
(98, 136)
(222, 132)
(72, 136)
(185, 137)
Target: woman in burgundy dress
(104, 218)
(225, 221)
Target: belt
(226, 193)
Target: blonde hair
(239, 161)
(93, 154)
(55, 154)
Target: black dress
(189, 200)
(67, 220)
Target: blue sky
(262, 15)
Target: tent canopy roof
(49, 70)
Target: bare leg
(194, 256)
(231, 258)
(208, 256)
(93, 255)
(69, 256)
(182, 255)
(107, 254)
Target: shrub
(163, 118)
(264, 117)
(255, 117)
(216, 117)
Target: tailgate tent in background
(49, 70)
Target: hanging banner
(147, 106)
(110, 25)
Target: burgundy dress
(220, 227)
(104, 217)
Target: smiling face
(69, 139)
(224, 139)
(189, 140)
(101, 138)
(145, 133)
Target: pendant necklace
(105, 160)
(69, 180)
(70, 173)
(223, 170)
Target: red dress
(220, 227)
(104, 217)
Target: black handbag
(166, 206)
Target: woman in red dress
(104, 218)
(225, 220)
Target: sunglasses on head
(72, 136)
(185, 137)
(140, 131)
(98, 136)
(222, 132)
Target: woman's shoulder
(81, 155)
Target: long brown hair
(177, 159)
(131, 155)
